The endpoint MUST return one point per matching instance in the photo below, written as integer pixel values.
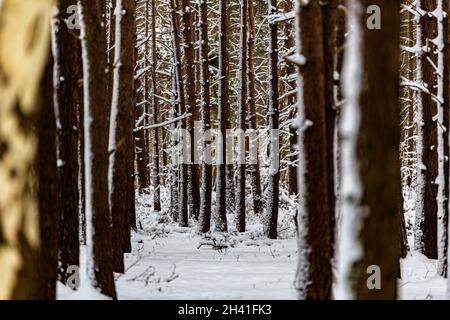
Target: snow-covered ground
(169, 262)
(173, 266)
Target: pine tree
(273, 118)
(96, 126)
(67, 74)
(205, 106)
(315, 218)
(220, 217)
(23, 57)
(242, 112)
(370, 128)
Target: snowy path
(171, 266)
(242, 272)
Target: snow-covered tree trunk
(23, 57)
(371, 137)
(273, 118)
(182, 171)
(96, 129)
(444, 43)
(121, 128)
(220, 217)
(67, 74)
(155, 109)
(314, 218)
(241, 114)
(187, 15)
(205, 106)
(427, 208)
(253, 167)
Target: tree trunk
(155, 166)
(204, 221)
(96, 126)
(253, 170)
(273, 115)
(220, 217)
(187, 15)
(121, 128)
(426, 223)
(183, 173)
(242, 112)
(314, 275)
(67, 74)
(371, 134)
(23, 57)
(443, 223)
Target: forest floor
(170, 262)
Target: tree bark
(273, 118)
(23, 57)
(67, 74)
(374, 208)
(121, 128)
(314, 276)
(253, 169)
(205, 106)
(242, 112)
(426, 227)
(96, 120)
(220, 217)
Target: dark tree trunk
(253, 169)
(96, 120)
(67, 74)
(443, 256)
(187, 15)
(121, 128)
(290, 103)
(183, 169)
(377, 150)
(220, 217)
(242, 112)
(155, 163)
(329, 25)
(314, 277)
(426, 228)
(273, 118)
(206, 180)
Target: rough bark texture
(242, 112)
(67, 74)
(443, 259)
(329, 20)
(316, 270)
(183, 170)
(204, 220)
(378, 151)
(426, 233)
(253, 168)
(273, 118)
(220, 217)
(23, 57)
(96, 121)
(155, 110)
(187, 15)
(122, 122)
